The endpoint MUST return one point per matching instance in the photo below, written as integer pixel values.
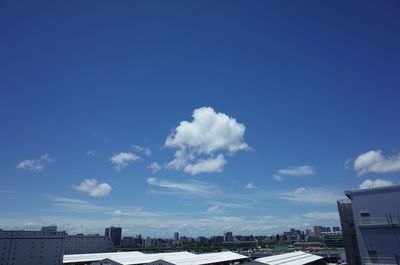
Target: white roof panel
(293, 258)
(135, 257)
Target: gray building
(83, 244)
(228, 237)
(376, 215)
(115, 234)
(32, 247)
(348, 232)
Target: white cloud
(93, 188)
(215, 209)
(91, 153)
(322, 215)
(37, 165)
(154, 167)
(143, 150)
(206, 165)
(298, 171)
(369, 183)
(209, 135)
(375, 162)
(121, 160)
(311, 196)
(277, 177)
(189, 188)
(249, 186)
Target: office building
(376, 216)
(228, 237)
(32, 247)
(317, 231)
(336, 229)
(115, 234)
(82, 244)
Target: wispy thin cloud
(37, 165)
(123, 159)
(298, 171)
(187, 188)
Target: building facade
(115, 234)
(31, 247)
(348, 232)
(83, 244)
(376, 215)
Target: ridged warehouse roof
(135, 257)
(293, 258)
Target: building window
(364, 214)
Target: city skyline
(195, 118)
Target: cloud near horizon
(370, 183)
(201, 145)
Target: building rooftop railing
(379, 222)
(380, 261)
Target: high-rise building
(336, 229)
(44, 247)
(228, 237)
(176, 237)
(115, 233)
(376, 216)
(317, 231)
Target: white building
(292, 258)
(80, 244)
(31, 247)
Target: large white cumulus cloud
(375, 162)
(201, 144)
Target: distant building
(240, 245)
(336, 229)
(348, 232)
(376, 214)
(128, 242)
(228, 237)
(32, 247)
(83, 244)
(176, 237)
(115, 234)
(317, 231)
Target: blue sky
(198, 117)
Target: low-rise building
(32, 247)
(80, 244)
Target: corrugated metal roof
(292, 258)
(178, 258)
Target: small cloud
(375, 162)
(322, 215)
(311, 196)
(298, 171)
(91, 153)
(249, 186)
(37, 165)
(93, 188)
(121, 160)
(154, 167)
(369, 183)
(214, 209)
(117, 213)
(299, 190)
(277, 177)
(142, 150)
